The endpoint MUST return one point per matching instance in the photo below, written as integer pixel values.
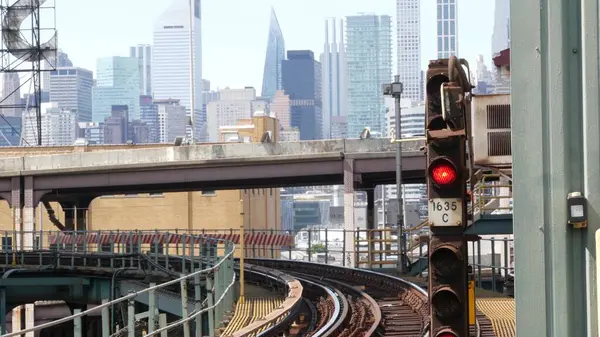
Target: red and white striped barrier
(104, 238)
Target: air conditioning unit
(491, 130)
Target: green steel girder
(168, 301)
(496, 224)
(44, 281)
(82, 290)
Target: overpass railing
(203, 261)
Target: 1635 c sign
(445, 212)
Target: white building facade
(447, 28)
(171, 119)
(143, 53)
(408, 31)
(233, 105)
(171, 57)
(334, 75)
(58, 126)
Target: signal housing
(447, 175)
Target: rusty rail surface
(397, 307)
(317, 312)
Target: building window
(6, 243)
(209, 193)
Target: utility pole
(395, 90)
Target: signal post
(447, 175)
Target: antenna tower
(23, 50)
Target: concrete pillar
(29, 204)
(28, 214)
(16, 204)
(17, 212)
(349, 213)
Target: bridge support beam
(349, 238)
(23, 208)
(555, 123)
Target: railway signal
(446, 187)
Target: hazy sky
(234, 32)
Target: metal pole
(192, 74)
(243, 252)
(399, 195)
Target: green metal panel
(89, 290)
(44, 281)
(548, 163)
(501, 224)
(591, 151)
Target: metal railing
(134, 250)
(491, 259)
(491, 196)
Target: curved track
(377, 304)
(335, 301)
(322, 312)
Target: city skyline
(301, 28)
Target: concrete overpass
(79, 177)
(88, 174)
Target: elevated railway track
(192, 293)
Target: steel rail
(376, 311)
(326, 329)
(406, 285)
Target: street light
(395, 90)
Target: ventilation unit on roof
(491, 130)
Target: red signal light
(443, 173)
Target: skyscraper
(117, 83)
(369, 55)
(71, 88)
(408, 27)
(334, 76)
(62, 60)
(501, 34)
(143, 52)
(447, 28)
(273, 58)
(11, 95)
(302, 82)
(171, 57)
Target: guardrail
(492, 195)
(85, 249)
